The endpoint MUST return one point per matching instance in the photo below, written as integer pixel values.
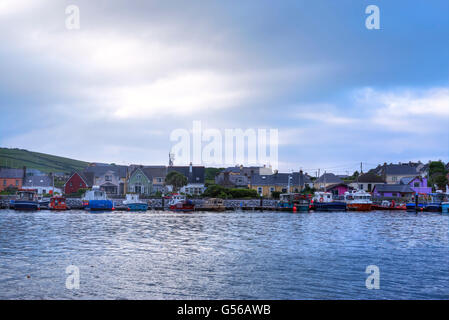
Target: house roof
(400, 169)
(155, 171)
(38, 181)
(196, 176)
(100, 169)
(6, 173)
(402, 188)
(88, 177)
(370, 177)
(329, 178)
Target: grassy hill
(18, 158)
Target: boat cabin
(95, 194)
(27, 195)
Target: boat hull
(377, 207)
(26, 205)
(329, 206)
(99, 205)
(359, 206)
(445, 208)
(137, 207)
(183, 208)
(433, 207)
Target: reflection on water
(231, 255)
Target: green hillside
(18, 158)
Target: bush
(217, 191)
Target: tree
(441, 182)
(176, 179)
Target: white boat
(358, 200)
(133, 203)
(323, 201)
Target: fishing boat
(133, 203)
(437, 200)
(180, 202)
(323, 201)
(293, 202)
(387, 205)
(358, 200)
(214, 204)
(57, 203)
(97, 200)
(26, 199)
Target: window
(284, 189)
(4, 183)
(107, 178)
(81, 184)
(361, 186)
(271, 189)
(394, 178)
(416, 184)
(259, 190)
(17, 183)
(70, 184)
(369, 187)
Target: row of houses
(393, 180)
(27, 179)
(144, 180)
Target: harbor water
(228, 255)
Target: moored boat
(97, 200)
(293, 202)
(387, 205)
(57, 203)
(26, 200)
(323, 201)
(359, 200)
(445, 208)
(214, 204)
(180, 203)
(133, 203)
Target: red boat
(181, 203)
(387, 205)
(57, 203)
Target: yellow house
(265, 185)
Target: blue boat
(445, 207)
(25, 200)
(97, 200)
(323, 201)
(133, 203)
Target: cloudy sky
(338, 93)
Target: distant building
(393, 173)
(110, 178)
(418, 184)
(338, 189)
(326, 180)
(43, 184)
(393, 191)
(78, 181)
(367, 182)
(265, 185)
(195, 178)
(11, 178)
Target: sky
(338, 93)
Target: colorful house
(139, 182)
(338, 189)
(78, 181)
(11, 178)
(393, 191)
(418, 184)
(265, 185)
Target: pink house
(338, 189)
